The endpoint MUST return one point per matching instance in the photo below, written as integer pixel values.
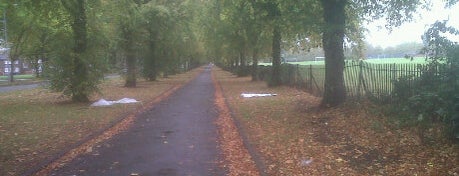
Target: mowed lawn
(36, 125)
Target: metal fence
(361, 78)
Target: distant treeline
(411, 49)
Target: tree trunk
(150, 67)
(11, 76)
(36, 67)
(275, 75)
(153, 75)
(131, 80)
(233, 64)
(80, 71)
(21, 66)
(255, 65)
(131, 58)
(241, 69)
(334, 16)
(242, 59)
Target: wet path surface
(176, 137)
(4, 89)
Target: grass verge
(294, 137)
(36, 125)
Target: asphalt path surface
(176, 137)
(4, 89)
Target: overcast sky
(411, 32)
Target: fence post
(297, 76)
(394, 76)
(360, 78)
(290, 74)
(310, 77)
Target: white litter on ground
(306, 162)
(250, 95)
(103, 102)
(126, 100)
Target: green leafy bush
(436, 97)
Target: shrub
(435, 98)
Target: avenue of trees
(80, 40)
(262, 28)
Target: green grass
(417, 60)
(299, 63)
(18, 77)
(35, 125)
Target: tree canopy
(80, 40)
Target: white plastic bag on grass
(127, 100)
(250, 95)
(103, 102)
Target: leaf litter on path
(237, 159)
(295, 137)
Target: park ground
(38, 126)
(294, 137)
(286, 134)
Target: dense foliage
(436, 97)
(79, 40)
(75, 42)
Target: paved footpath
(176, 137)
(4, 89)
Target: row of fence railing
(361, 78)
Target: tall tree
(128, 26)
(16, 25)
(333, 36)
(275, 14)
(334, 14)
(157, 20)
(211, 27)
(33, 23)
(78, 85)
(74, 65)
(255, 20)
(256, 35)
